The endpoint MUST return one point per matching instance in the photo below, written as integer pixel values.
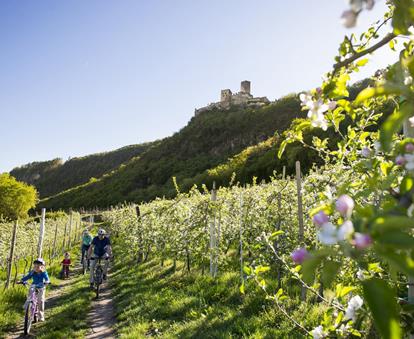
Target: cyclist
(40, 278)
(86, 243)
(100, 248)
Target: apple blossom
(409, 147)
(318, 332)
(345, 231)
(400, 160)
(349, 18)
(411, 121)
(362, 240)
(354, 304)
(366, 152)
(327, 234)
(409, 165)
(299, 255)
(345, 205)
(320, 218)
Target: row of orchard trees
(23, 240)
(201, 228)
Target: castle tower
(245, 87)
(225, 95)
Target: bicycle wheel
(98, 279)
(28, 318)
(98, 285)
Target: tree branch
(356, 56)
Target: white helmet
(101, 231)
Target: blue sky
(85, 76)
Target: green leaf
(372, 92)
(330, 270)
(247, 270)
(396, 238)
(391, 223)
(406, 185)
(242, 290)
(282, 147)
(393, 124)
(362, 62)
(274, 235)
(382, 303)
(309, 267)
(399, 261)
(261, 269)
(342, 291)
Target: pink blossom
(299, 255)
(400, 160)
(362, 240)
(320, 218)
(369, 4)
(349, 18)
(332, 105)
(345, 205)
(409, 147)
(366, 152)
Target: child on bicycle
(65, 265)
(40, 279)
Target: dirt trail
(102, 315)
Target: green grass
(151, 300)
(67, 311)
(66, 318)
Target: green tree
(16, 198)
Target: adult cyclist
(100, 249)
(86, 243)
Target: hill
(209, 139)
(54, 176)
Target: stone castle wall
(242, 98)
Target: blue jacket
(38, 278)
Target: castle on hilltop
(242, 98)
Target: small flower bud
(299, 255)
(362, 240)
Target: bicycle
(98, 275)
(31, 307)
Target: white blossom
(316, 110)
(327, 234)
(409, 165)
(318, 332)
(410, 211)
(345, 231)
(360, 274)
(354, 304)
(411, 121)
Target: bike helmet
(101, 231)
(39, 261)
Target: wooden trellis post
(11, 256)
(213, 243)
(300, 214)
(41, 233)
(70, 229)
(241, 238)
(64, 237)
(54, 241)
